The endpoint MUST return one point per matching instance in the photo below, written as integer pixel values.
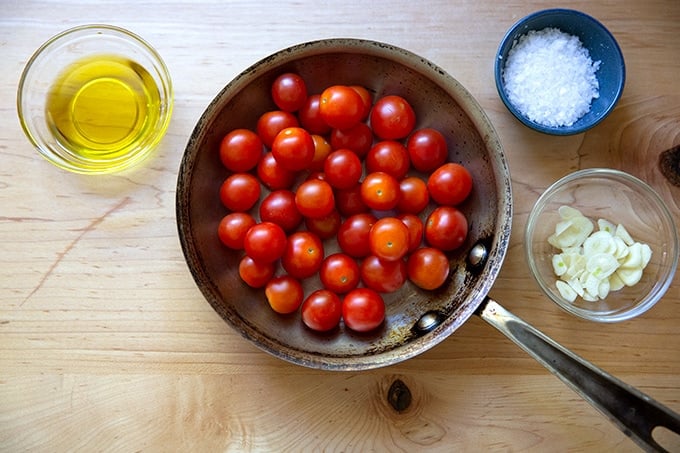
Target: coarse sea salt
(550, 78)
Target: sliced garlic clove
(566, 291)
(630, 277)
(634, 258)
(599, 242)
(623, 234)
(559, 266)
(601, 265)
(615, 282)
(606, 225)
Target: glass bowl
(621, 199)
(601, 46)
(95, 99)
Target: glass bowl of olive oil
(95, 99)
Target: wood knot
(669, 164)
(399, 396)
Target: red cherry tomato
(303, 254)
(381, 275)
(450, 184)
(279, 207)
(428, 268)
(240, 191)
(353, 235)
(363, 310)
(325, 227)
(310, 118)
(415, 230)
(289, 92)
(271, 123)
(342, 169)
(414, 196)
(256, 274)
(273, 175)
(380, 191)
(321, 150)
(241, 150)
(284, 294)
(341, 107)
(314, 198)
(389, 239)
(339, 273)
(427, 149)
(265, 242)
(349, 201)
(358, 138)
(388, 156)
(233, 227)
(446, 228)
(322, 310)
(392, 118)
(293, 148)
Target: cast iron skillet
(416, 320)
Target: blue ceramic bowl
(602, 47)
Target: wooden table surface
(106, 344)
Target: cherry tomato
(381, 275)
(353, 235)
(341, 107)
(240, 150)
(279, 207)
(363, 310)
(293, 148)
(367, 99)
(303, 254)
(415, 230)
(349, 201)
(450, 184)
(273, 175)
(325, 227)
(358, 138)
(289, 92)
(321, 150)
(427, 149)
(310, 118)
(380, 191)
(389, 239)
(233, 227)
(265, 242)
(343, 169)
(284, 294)
(314, 198)
(271, 123)
(240, 191)
(446, 228)
(414, 196)
(392, 118)
(255, 273)
(339, 273)
(322, 310)
(428, 268)
(388, 156)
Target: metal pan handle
(633, 412)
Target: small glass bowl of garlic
(602, 244)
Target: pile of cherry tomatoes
(339, 167)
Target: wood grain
(107, 345)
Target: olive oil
(103, 108)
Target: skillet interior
(440, 102)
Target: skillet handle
(633, 412)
